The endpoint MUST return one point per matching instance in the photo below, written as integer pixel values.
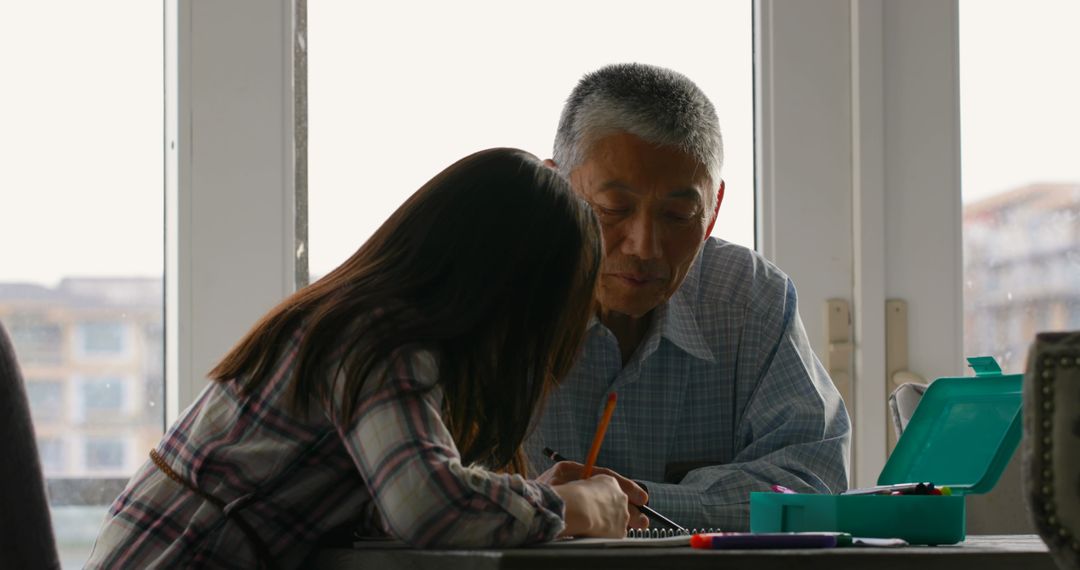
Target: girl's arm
(412, 467)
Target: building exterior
(92, 353)
(1021, 269)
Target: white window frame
(231, 216)
(864, 205)
(857, 160)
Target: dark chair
(1052, 442)
(26, 535)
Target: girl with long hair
(392, 395)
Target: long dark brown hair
(492, 264)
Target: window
(83, 163)
(36, 340)
(393, 99)
(102, 338)
(51, 452)
(104, 454)
(1021, 179)
(102, 395)
(46, 399)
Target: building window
(103, 454)
(102, 338)
(102, 396)
(51, 453)
(36, 340)
(46, 399)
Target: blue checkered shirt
(724, 396)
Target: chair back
(1051, 445)
(26, 534)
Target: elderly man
(719, 392)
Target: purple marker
(751, 540)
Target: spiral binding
(665, 532)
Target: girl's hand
(565, 472)
(595, 507)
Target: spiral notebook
(635, 538)
(733, 540)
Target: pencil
(597, 439)
(554, 455)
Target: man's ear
(716, 210)
(550, 164)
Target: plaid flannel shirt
(394, 467)
(724, 396)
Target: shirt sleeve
(427, 498)
(793, 431)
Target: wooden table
(1006, 552)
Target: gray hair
(660, 106)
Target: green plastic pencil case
(962, 434)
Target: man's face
(651, 204)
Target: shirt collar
(676, 321)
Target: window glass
(393, 98)
(104, 454)
(81, 152)
(46, 398)
(39, 341)
(51, 452)
(103, 338)
(102, 395)
(1021, 175)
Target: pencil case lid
(963, 432)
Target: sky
(81, 155)
(421, 94)
(1019, 94)
(393, 99)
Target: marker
(756, 540)
(902, 488)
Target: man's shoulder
(733, 275)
